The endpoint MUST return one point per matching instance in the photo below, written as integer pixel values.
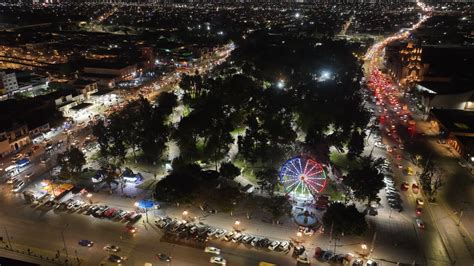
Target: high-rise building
(8, 84)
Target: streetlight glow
(281, 84)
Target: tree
(166, 102)
(356, 144)
(365, 181)
(71, 162)
(100, 131)
(345, 220)
(110, 176)
(267, 179)
(228, 170)
(277, 206)
(430, 179)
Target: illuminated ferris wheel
(302, 177)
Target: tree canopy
(345, 220)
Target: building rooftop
(455, 121)
(107, 64)
(82, 82)
(454, 87)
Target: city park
(237, 126)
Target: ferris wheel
(302, 177)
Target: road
(442, 242)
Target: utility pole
(64, 240)
(372, 244)
(8, 238)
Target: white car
(303, 259)
(220, 233)
(284, 245)
(237, 237)
(379, 145)
(212, 250)
(273, 245)
(218, 260)
(18, 186)
(111, 248)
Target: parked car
(284, 246)
(303, 259)
(211, 231)
(371, 263)
(237, 237)
(327, 255)
(220, 233)
(247, 239)
(18, 186)
(274, 245)
(228, 236)
(255, 241)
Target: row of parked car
(393, 198)
(99, 211)
(202, 232)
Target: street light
(185, 215)
(237, 225)
(89, 196)
(281, 84)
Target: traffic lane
(430, 240)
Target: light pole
(364, 248)
(89, 196)
(185, 215)
(299, 235)
(64, 240)
(237, 225)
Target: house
(13, 137)
(85, 87)
(64, 99)
(122, 70)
